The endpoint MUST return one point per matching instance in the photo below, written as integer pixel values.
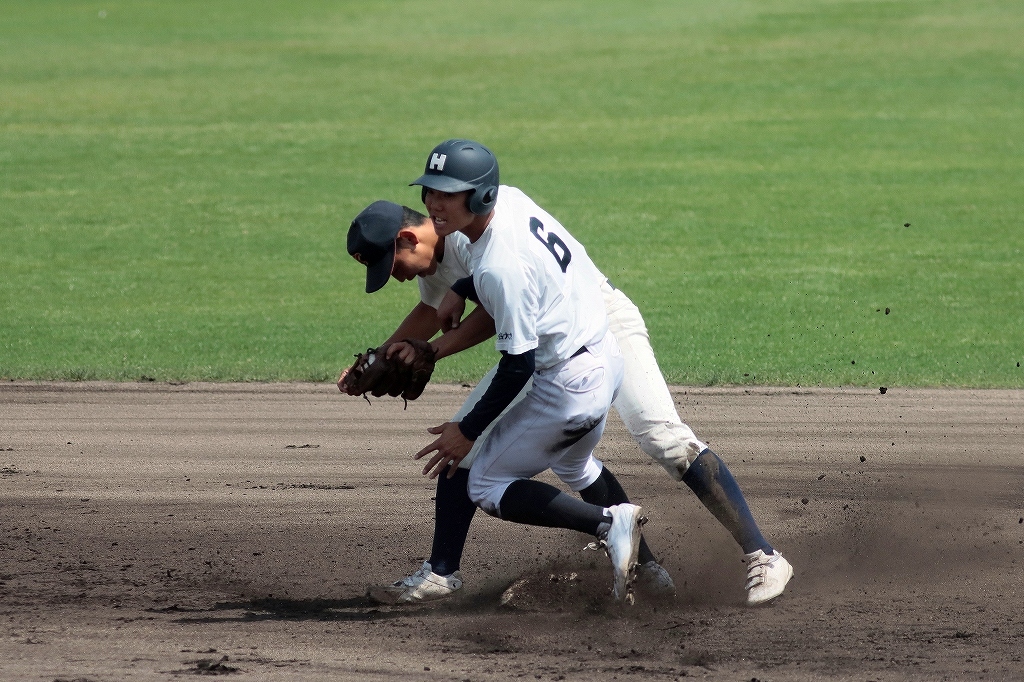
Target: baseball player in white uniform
(644, 402)
(539, 286)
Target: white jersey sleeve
(513, 301)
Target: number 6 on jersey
(553, 244)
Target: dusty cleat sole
(654, 582)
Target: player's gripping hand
(451, 447)
(410, 351)
(451, 310)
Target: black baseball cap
(371, 241)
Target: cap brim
(377, 274)
(442, 183)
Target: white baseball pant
(556, 426)
(644, 403)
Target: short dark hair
(412, 218)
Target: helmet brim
(442, 183)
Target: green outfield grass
(176, 178)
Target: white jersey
(644, 402)
(537, 282)
(455, 265)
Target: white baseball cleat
(622, 544)
(654, 581)
(423, 585)
(767, 575)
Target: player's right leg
(607, 491)
(617, 527)
(767, 571)
(651, 577)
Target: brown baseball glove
(375, 373)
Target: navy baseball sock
(453, 513)
(539, 504)
(711, 480)
(605, 492)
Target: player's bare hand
(450, 448)
(449, 313)
(402, 349)
(405, 351)
(341, 379)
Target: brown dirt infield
(154, 532)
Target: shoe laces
(596, 546)
(757, 569)
(418, 576)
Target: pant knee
(672, 447)
(486, 497)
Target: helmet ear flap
(482, 200)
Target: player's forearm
(420, 323)
(513, 373)
(476, 328)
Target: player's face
(448, 211)
(412, 261)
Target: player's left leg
(645, 406)
(644, 403)
(767, 571)
(439, 576)
(453, 510)
(453, 514)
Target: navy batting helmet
(460, 165)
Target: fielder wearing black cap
(371, 241)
